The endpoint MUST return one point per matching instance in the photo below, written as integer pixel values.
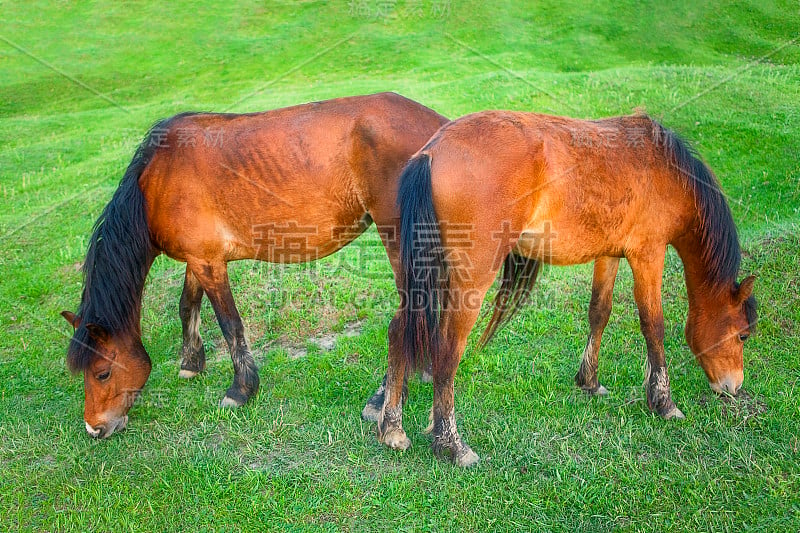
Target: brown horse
(288, 185)
(517, 190)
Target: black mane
(720, 243)
(118, 259)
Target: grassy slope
(299, 455)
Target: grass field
(80, 82)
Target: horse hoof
(229, 403)
(370, 413)
(467, 459)
(597, 391)
(187, 374)
(397, 439)
(428, 430)
(674, 413)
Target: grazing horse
(288, 186)
(515, 190)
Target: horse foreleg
(214, 280)
(605, 273)
(647, 276)
(395, 391)
(193, 354)
(447, 442)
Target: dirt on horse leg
(647, 276)
(447, 442)
(390, 421)
(372, 410)
(193, 353)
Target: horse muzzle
(729, 384)
(102, 431)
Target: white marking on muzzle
(727, 385)
(93, 432)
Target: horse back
(561, 190)
(287, 185)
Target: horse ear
(745, 288)
(97, 332)
(72, 318)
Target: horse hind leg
(372, 410)
(426, 376)
(447, 441)
(395, 392)
(193, 353)
(374, 407)
(605, 273)
(213, 277)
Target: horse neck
(703, 290)
(135, 329)
(129, 323)
(135, 323)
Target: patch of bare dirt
(742, 406)
(326, 341)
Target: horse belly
(566, 244)
(293, 241)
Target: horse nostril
(95, 432)
(728, 386)
(734, 385)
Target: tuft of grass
(298, 456)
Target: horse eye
(744, 336)
(104, 376)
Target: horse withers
(514, 190)
(289, 185)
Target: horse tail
(423, 266)
(118, 258)
(519, 275)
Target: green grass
(298, 456)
